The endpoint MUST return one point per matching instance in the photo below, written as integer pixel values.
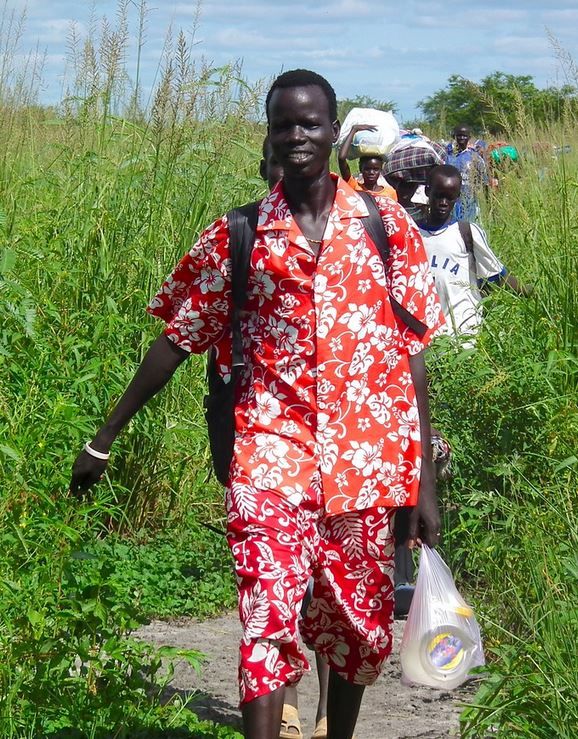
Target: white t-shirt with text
(457, 272)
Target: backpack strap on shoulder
(374, 225)
(466, 234)
(242, 226)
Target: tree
(497, 103)
(362, 101)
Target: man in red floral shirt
(332, 420)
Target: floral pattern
(348, 622)
(326, 359)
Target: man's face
(371, 169)
(442, 193)
(301, 132)
(462, 136)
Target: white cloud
(521, 45)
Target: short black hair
(367, 157)
(464, 126)
(304, 78)
(445, 170)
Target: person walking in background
(460, 256)
(332, 419)
(473, 171)
(370, 167)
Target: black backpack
(219, 402)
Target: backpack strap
(466, 234)
(374, 226)
(242, 226)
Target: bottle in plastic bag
(441, 641)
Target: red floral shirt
(326, 396)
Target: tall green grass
(99, 197)
(509, 409)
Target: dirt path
(390, 710)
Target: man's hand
(357, 127)
(86, 471)
(156, 369)
(425, 521)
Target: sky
(399, 51)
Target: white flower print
(361, 320)
(290, 368)
(363, 286)
(363, 424)
(365, 456)
(272, 448)
(329, 645)
(265, 477)
(210, 280)
(267, 406)
(262, 286)
(409, 424)
(335, 345)
(357, 392)
(362, 359)
(387, 473)
(420, 277)
(283, 334)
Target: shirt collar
(274, 213)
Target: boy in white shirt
(460, 257)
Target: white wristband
(94, 453)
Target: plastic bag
(367, 143)
(441, 641)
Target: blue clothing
(474, 175)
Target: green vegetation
(509, 409)
(98, 199)
(495, 103)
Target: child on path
(473, 171)
(460, 270)
(369, 166)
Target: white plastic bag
(367, 143)
(441, 641)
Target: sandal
(290, 724)
(320, 729)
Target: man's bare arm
(155, 370)
(425, 519)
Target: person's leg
(343, 702)
(269, 540)
(262, 716)
(290, 724)
(350, 618)
(323, 681)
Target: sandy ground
(390, 710)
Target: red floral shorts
(276, 546)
